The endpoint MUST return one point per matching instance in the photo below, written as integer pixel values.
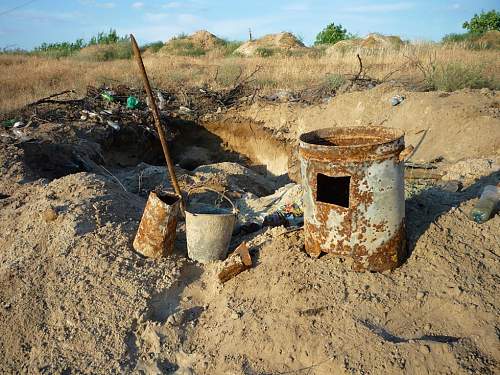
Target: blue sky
(58, 20)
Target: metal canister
(156, 234)
(354, 203)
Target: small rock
(7, 305)
(420, 295)
(235, 315)
(49, 215)
(427, 327)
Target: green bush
(229, 46)
(335, 81)
(456, 76)
(486, 21)
(153, 47)
(332, 34)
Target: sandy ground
(76, 298)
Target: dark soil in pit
(51, 151)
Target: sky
(38, 21)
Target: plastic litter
(114, 125)
(487, 203)
(107, 95)
(162, 103)
(132, 102)
(19, 124)
(396, 100)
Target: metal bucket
(354, 202)
(156, 234)
(208, 231)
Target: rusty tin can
(354, 202)
(156, 234)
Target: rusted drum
(354, 202)
(156, 234)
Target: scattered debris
(396, 100)
(486, 204)
(238, 262)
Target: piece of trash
(114, 125)
(156, 234)
(18, 124)
(185, 110)
(107, 96)
(451, 186)
(238, 262)
(487, 203)
(106, 112)
(162, 103)
(132, 102)
(395, 100)
(83, 117)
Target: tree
(484, 22)
(332, 34)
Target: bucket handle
(196, 189)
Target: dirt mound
(270, 44)
(372, 41)
(490, 39)
(197, 43)
(458, 125)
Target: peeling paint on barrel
(371, 228)
(156, 234)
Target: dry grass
(26, 78)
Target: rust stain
(370, 157)
(157, 229)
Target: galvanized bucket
(354, 202)
(209, 230)
(156, 234)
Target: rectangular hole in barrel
(333, 190)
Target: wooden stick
(156, 115)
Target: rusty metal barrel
(354, 204)
(157, 229)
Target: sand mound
(197, 43)
(272, 43)
(490, 39)
(372, 41)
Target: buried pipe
(156, 116)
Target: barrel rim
(396, 136)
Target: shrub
(457, 76)
(486, 21)
(106, 52)
(335, 81)
(332, 34)
(229, 46)
(152, 47)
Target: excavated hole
(99, 149)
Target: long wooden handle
(156, 115)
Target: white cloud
(455, 6)
(138, 5)
(380, 8)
